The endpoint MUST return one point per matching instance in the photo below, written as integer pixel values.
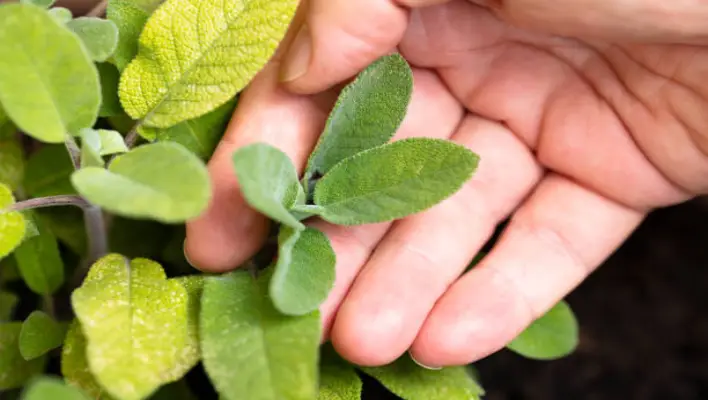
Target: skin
(587, 115)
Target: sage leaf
(216, 48)
(135, 322)
(39, 261)
(393, 181)
(8, 303)
(130, 19)
(39, 3)
(12, 162)
(40, 333)
(100, 36)
(33, 46)
(304, 273)
(61, 15)
(268, 181)
(190, 353)
(406, 379)
(96, 143)
(160, 181)
(74, 364)
(15, 370)
(367, 114)
(48, 172)
(46, 388)
(275, 355)
(110, 103)
(553, 336)
(338, 379)
(12, 223)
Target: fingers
(553, 242)
(423, 254)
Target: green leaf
(199, 135)
(51, 388)
(135, 321)
(15, 370)
(338, 379)
(553, 336)
(8, 270)
(12, 162)
(393, 181)
(366, 115)
(8, 303)
(48, 171)
(74, 365)
(275, 355)
(406, 379)
(67, 225)
(61, 15)
(215, 49)
(98, 143)
(12, 223)
(40, 333)
(191, 354)
(110, 103)
(130, 20)
(39, 261)
(39, 3)
(32, 45)
(304, 273)
(161, 181)
(100, 36)
(268, 181)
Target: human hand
(586, 115)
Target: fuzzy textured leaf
(191, 354)
(135, 322)
(46, 388)
(15, 370)
(8, 303)
(39, 261)
(393, 181)
(100, 36)
(110, 103)
(215, 49)
(12, 162)
(32, 45)
(160, 181)
(40, 333)
(338, 379)
(304, 273)
(406, 379)
(275, 355)
(48, 171)
(553, 336)
(74, 365)
(130, 19)
(268, 181)
(96, 143)
(366, 115)
(12, 223)
(61, 15)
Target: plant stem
(98, 9)
(96, 232)
(132, 137)
(74, 151)
(51, 201)
(49, 306)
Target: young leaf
(33, 47)
(304, 273)
(39, 3)
(130, 19)
(250, 350)
(51, 388)
(393, 181)
(74, 365)
(135, 321)
(100, 36)
(61, 15)
(110, 103)
(366, 115)
(15, 370)
(40, 334)
(48, 171)
(216, 48)
(12, 162)
(12, 223)
(190, 354)
(98, 143)
(406, 379)
(161, 181)
(8, 303)
(268, 181)
(553, 336)
(39, 261)
(338, 379)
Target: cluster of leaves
(117, 116)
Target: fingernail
(299, 56)
(423, 365)
(184, 251)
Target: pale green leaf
(366, 115)
(32, 47)
(393, 181)
(15, 370)
(160, 181)
(553, 336)
(130, 19)
(100, 36)
(12, 162)
(135, 322)
(250, 350)
(61, 15)
(40, 333)
(8, 303)
(215, 49)
(39, 3)
(110, 104)
(48, 172)
(268, 181)
(96, 143)
(46, 388)
(408, 380)
(191, 354)
(12, 223)
(304, 273)
(39, 261)
(338, 379)
(74, 365)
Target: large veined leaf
(39, 261)
(100, 36)
(160, 181)
(275, 355)
(190, 355)
(40, 333)
(15, 370)
(12, 162)
(393, 181)
(338, 379)
(12, 223)
(216, 48)
(304, 273)
(366, 115)
(46, 388)
(553, 336)
(48, 171)
(74, 365)
(268, 181)
(130, 19)
(135, 322)
(45, 101)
